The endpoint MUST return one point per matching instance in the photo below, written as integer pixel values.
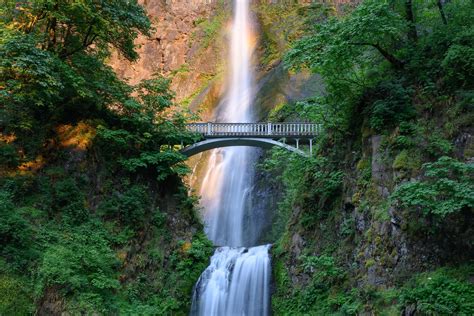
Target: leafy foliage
(334, 45)
(325, 278)
(373, 59)
(71, 217)
(147, 124)
(443, 292)
(129, 206)
(391, 107)
(15, 233)
(67, 28)
(446, 188)
(15, 295)
(395, 70)
(83, 263)
(297, 175)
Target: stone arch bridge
(264, 135)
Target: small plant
(8, 155)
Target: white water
(237, 281)
(228, 178)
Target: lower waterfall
(237, 282)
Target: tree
(341, 42)
(68, 27)
(52, 63)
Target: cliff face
(186, 45)
(352, 250)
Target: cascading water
(238, 279)
(228, 175)
(235, 283)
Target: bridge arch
(213, 143)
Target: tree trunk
(441, 11)
(412, 34)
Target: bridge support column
(297, 143)
(310, 147)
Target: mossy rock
(370, 262)
(406, 160)
(363, 164)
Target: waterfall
(228, 177)
(237, 281)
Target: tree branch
(89, 30)
(397, 63)
(66, 54)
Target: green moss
(407, 161)
(363, 164)
(15, 295)
(211, 28)
(182, 70)
(380, 211)
(369, 262)
(281, 24)
(280, 273)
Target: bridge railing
(256, 129)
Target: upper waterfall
(228, 179)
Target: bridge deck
(259, 130)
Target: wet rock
(464, 146)
(297, 244)
(380, 173)
(409, 310)
(359, 220)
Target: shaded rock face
(176, 46)
(392, 246)
(278, 86)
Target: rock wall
(185, 44)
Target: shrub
(129, 206)
(446, 188)
(15, 298)
(16, 233)
(81, 264)
(392, 106)
(458, 62)
(443, 292)
(8, 155)
(69, 200)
